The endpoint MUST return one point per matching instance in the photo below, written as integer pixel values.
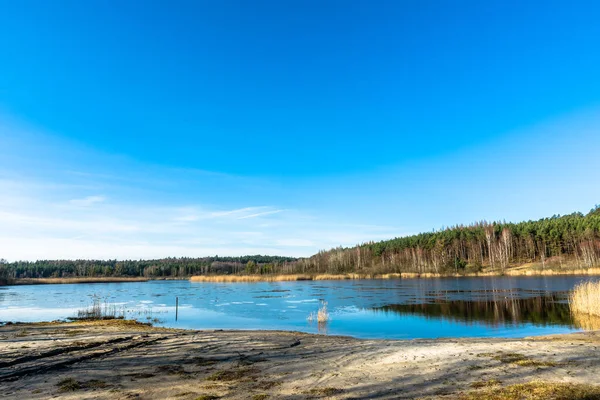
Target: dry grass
(551, 272)
(324, 392)
(323, 314)
(518, 359)
(230, 375)
(249, 278)
(526, 270)
(485, 384)
(586, 322)
(536, 391)
(585, 299)
(71, 385)
(37, 281)
(294, 277)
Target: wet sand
(125, 360)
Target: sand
(122, 360)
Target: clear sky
(141, 129)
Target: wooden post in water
(176, 307)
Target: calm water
(410, 308)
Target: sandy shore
(122, 360)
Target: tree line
(167, 267)
(558, 242)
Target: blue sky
(151, 129)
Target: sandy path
(128, 361)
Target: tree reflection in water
(543, 310)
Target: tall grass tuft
(100, 310)
(323, 314)
(585, 299)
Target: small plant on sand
(585, 299)
(71, 385)
(324, 392)
(68, 385)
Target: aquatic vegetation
(585, 299)
(297, 277)
(323, 314)
(100, 310)
(586, 321)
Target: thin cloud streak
(260, 214)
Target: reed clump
(296, 277)
(107, 279)
(249, 278)
(323, 314)
(99, 310)
(585, 299)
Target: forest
(167, 267)
(556, 242)
(569, 241)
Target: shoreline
(403, 275)
(124, 360)
(516, 272)
(109, 279)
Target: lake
(397, 309)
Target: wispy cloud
(87, 201)
(260, 214)
(59, 203)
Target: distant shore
(44, 281)
(122, 359)
(517, 271)
(403, 275)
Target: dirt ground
(123, 360)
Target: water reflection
(540, 311)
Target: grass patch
(68, 385)
(74, 332)
(521, 360)
(202, 362)
(324, 392)
(171, 369)
(261, 396)
(518, 359)
(484, 384)
(143, 375)
(536, 391)
(229, 375)
(207, 397)
(72, 385)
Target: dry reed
(35, 281)
(323, 314)
(585, 299)
(403, 275)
